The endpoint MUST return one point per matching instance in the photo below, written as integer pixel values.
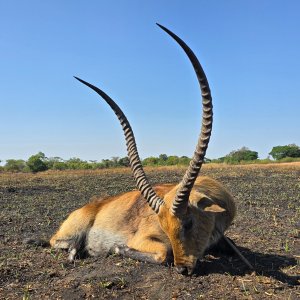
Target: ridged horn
(180, 202)
(135, 163)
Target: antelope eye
(188, 225)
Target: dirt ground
(266, 230)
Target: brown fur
(126, 222)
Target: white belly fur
(101, 241)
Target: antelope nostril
(181, 270)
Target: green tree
(115, 161)
(37, 162)
(243, 154)
(184, 160)
(279, 152)
(172, 160)
(75, 163)
(52, 162)
(59, 165)
(162, 159)
(150, 161)
(15, 165)
(107, 163)
(124, 162)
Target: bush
(184, 160)
(15, 165)
(75, 163)
(288, 159)
(243, 154)
(124, 162)
(264, 161)
(150, 161)
(172, 160)
(37, 163)
(280, 152)
(162, 158)
(53, 161)
(59, 165)
(107, 163)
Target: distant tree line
(39, 162)
(286, 153)
(165, 160)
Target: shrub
(243, 154)
(124, 162)
(150, 161)
(289, 159)
(15, 165)
(75, 163)
(37, 163)
(184, 160)
(172, 160)
(52, 162)
(59, 165)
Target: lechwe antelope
(167, 222)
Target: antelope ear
(207, 204)
(214, 208)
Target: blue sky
(250, 51)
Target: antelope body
(167, 223)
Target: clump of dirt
(266, 231)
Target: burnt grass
(266, 231)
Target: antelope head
(179, 213)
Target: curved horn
(135, 163)
(180, 202)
